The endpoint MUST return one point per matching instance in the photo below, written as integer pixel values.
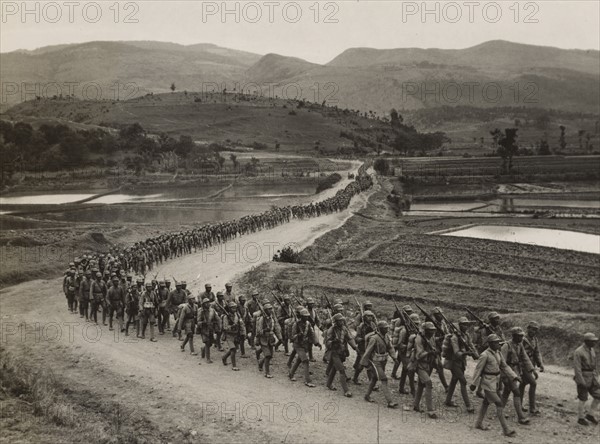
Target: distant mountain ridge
(358, 78)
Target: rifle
(430, 318)
(224, 311)
(460, 336)
(485, 325)
(328, 305)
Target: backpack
(447, 347)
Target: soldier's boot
(234, 366)
(330, 377)
(207, 353)
(370, 388)
(532, 404)
(286, 347)
(268, 367)
(442, 376)
(481, 416)
(307, 380)
(450, 393)
(519, 409)
(388, 395)
(344, 382)
(429, 396)
(203, 351)
(191, 341)
(293, 369)
(261, 363)
(103, 315)
(465, 396)
(185, 341)
(418, 395)
(411, 383)
(137, 327)
(143, 335)
(152, 338)
(505, 429)
(257, 352)
(219, 346)
(310, 354)
(242, 348)
(225, 356)
(290, 360)
(355, 377)
(110, 322)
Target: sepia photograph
(310, 221)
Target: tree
(382, 166)
(234, 160)
(396, 119)
(544, 149)
(562, 141)
(172, 87)
(507, 146)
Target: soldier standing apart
(187, 323)
(586, 378)
(338, 338)
(234, 332)
(147, 308)
(208, 325)
(116, 303)
(425, 357)
(517, 359)
(456, 362)
(302, 335)
(379, 346)
(530, 342)
(490, 366)
(267, 334)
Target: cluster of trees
(328, 182)
(409, 141)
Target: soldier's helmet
(304, 312)
(178, 284)
(428, 326)
(437, 310)
(242, 297)
(533, 325)
(590, 337)
(493, 338)
(267, 306)
(339, 307)
(415, 318)
(368, 313)
(191, 296)
(286, 297)
(232, 305)
(220, 293)
(368, 304)
(463, 320)
(148, 284)
(228, 285)
(493, 315)
(161, 283)
(88, 272)
(207, 286)
(310, 301)
(517, 331)
(382, 324)
(205, 301)
(408, 309)
(254, 293)
(98, 275)
(139, 280)
(183, 283)
(338, 317)
(115, 279)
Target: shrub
(328, 182)
(289, 255)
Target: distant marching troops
(228, 321)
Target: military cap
(242, 297)
(414, 317)
(463, 320)
(338, 301)
(122, 272)
(77, 260)
(115, 279)
(207, 285)
(368, 313)
(267, 306)
(590, 337)
(437, 310)
(408, 309)
(139, 280)
(148, 284)
(183, 283)
(167, 281)
(310, 301)
(161, 283)
(255, 293)
(493, 315)
(178, 284)
(304, 312)
(71, 264)
(286, 297)
(232, 305)
(382, 324)
(228, 285)
(205, 301)
(220, 293)
(338, 307)
(517, 331)
(338, 317)
(428, 326)
(367, 303)
(533, 324)
(191, 296)
(98, 275)
(493, 338)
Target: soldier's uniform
(116, 303)
(363, 330)
(302, 336)
(187, 323)
(132, 304)
(424, 358)
(283, 314)
(379, 347)
(98, 293)
(456, 362)
(162, 295)
(531, 345)
(233, 333)
(517, 359)
(585, 364)
(267, 334)
(148, 304)
(84, 294)
(208, 325)
(70, 291)
(338, 339)
(175, 299)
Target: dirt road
(208, 402)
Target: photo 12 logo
(23, 91)
(69, 12)
(270, 12)
(470, 12)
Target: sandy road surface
(176, 393)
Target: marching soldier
(208, 294)
(586, 378)
(234, 332)
(367, 306)
(132, 304)
(283, 314)
(366, 327)
(424, 358)
(515, 356)
(398, 329)
(267, 334)
(530, 343)
(490, 366)
(176, 298)
(488, 329)
(116, 303)
(187, 323)
(456, 362)
(411, 367)
(252, 308)
(374, 358)
(303, 335)
(84, 294)
(314, 321)
(147, 309)
(98, 293)
(162, 295)
(70, 290)
(229, 296)
(338, 339)
(208, 325)
(440, 334)
(220, 307)
(243, 314)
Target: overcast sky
(289, 28)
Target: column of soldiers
(142, 257)
(505, 365)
